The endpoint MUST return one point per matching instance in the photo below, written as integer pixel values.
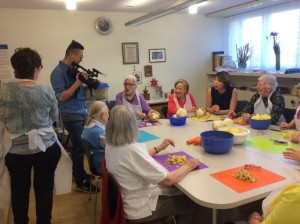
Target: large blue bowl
(216, 142)
(259, 124)
(178, 121)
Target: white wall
(188, 40)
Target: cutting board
(264, 177)
(162, 160)
(268, 145)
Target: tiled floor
(76, 208)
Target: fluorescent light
(70, 4)
(193, 9)
(171, 8)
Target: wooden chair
(94, 174)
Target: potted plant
(243, 54)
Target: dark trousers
(19, 167)
(75, 129)
(181, 206)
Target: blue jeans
(19, 167)
(75, 129)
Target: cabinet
(249, 79)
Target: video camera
(90, 82)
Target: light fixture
(70, 4)
(193, 9)
(171, 8)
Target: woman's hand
(166, 142)
(255, 218)
(192, 109)
(284, 126)
(245, 116)
(231, 114)
(291, 153)
(295, 137)
(141, 115)
(215, 108)
(192, 163)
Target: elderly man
(131, 97)
(267, 100)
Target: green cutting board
(269, 145)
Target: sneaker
(88, 177)
(86, 187)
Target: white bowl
(238, 138)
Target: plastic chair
(94, 174)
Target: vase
(277, 65)
(242, 65)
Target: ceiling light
(193, 9)
(70, 4)
(171, 8)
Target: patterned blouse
(277, 109)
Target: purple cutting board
(162, 158)
(147, 123)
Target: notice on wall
(5, 74)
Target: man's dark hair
(74, 46)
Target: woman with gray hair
(144, 184)
(267, 100)
(131, 97)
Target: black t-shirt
(222, 100)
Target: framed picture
(138, 76)
(130, 53)
(157, 55)
(148, 70)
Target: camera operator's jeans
(75, 129)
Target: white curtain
(255, 27)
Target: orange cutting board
(264, 177)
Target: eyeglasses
(129, 84)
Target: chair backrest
(87, 150)
(112, 203)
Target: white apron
(188, 103)
(63, 172)
(137, 108)
(259, 108)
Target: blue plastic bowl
(259, 124)
(179, 121)
(216, 142)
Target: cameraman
(71, 103)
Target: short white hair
(130, 77)
(270, 80)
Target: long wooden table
(203, 188)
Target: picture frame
(130, 53)
(138, 76)
(148, 70)
(157, 55)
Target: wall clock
(103, 25)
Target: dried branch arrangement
(243, 53)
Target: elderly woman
(144, 184)
(131, 97)
(94, 132)
(221, 98)
(181, 98)
(267, 100)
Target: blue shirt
(61, 80)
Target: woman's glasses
(129, 84)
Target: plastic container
(259, 124)
(178, 121)
(238, 138)
(216, 142)
(97, 94)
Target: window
(255, 27)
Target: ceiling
(142, 6)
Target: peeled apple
(261, 117)
(181, 112)
(227, 122)
(200, 113)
